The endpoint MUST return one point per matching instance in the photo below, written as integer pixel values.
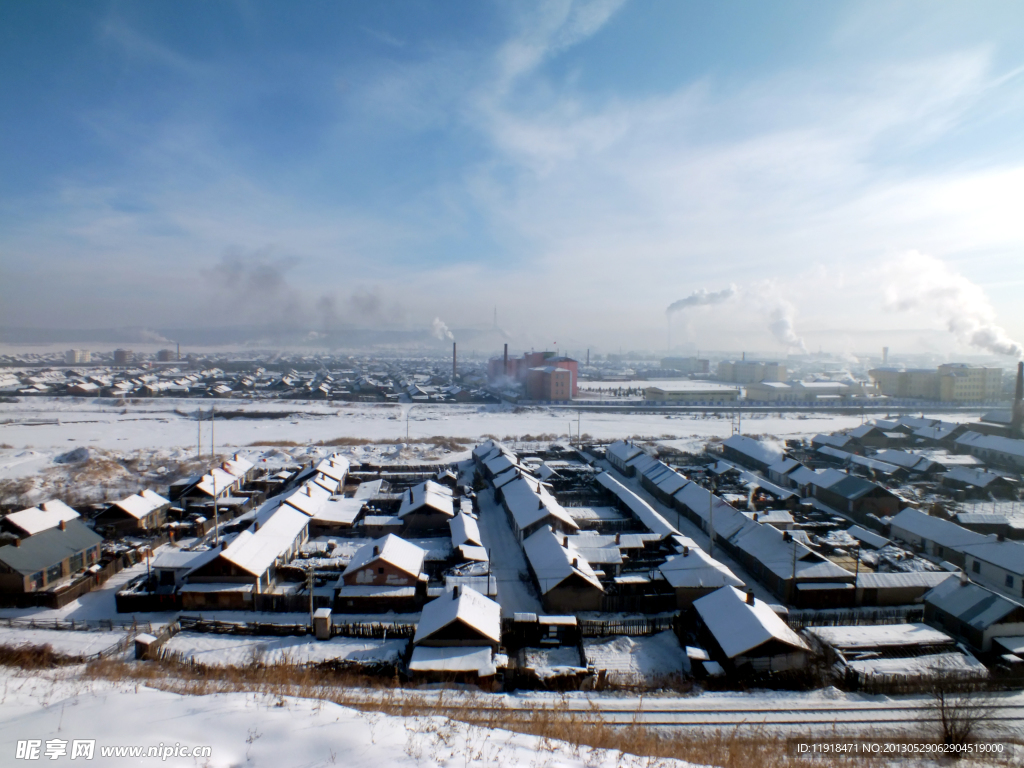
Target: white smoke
(702, 297)
(781, 323)
(440, 330)
(918, 282)
(780, 313)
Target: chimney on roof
(686, 551)
(17, 542)
(787, 536)
(618, 538)
(540, 503)
(750, 597)
(376, 550)
(455, 592)
(63, 525)
(565, 542)
(575, 562)
(256, 526)
(223, 545)
(963, 579)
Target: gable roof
(465, 530)
(468, 606)
(552, 563)
(140, 505)
(45, 549)
(427, 494)
(530, 502)
(640, 509)
(255, 551)
(393, 550)
(754, 449)
(739, 627)
(697, 569)
(34, 520)
(1008, 555)
(970, 603)
(942, 532)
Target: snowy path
(508, 563)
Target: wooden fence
(798, 620)
(633, 627)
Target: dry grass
(585, 730)
(439, 442)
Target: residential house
(138, 513)
(973, 614)
(48, 558)
(566, 581)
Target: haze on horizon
(784, 176)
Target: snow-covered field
(62, 642)
(636, 659)
(214, 650)
(243, 729)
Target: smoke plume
(701, 297)
(918, 282)
(781, 318)
(440, 330)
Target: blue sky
(856, 169)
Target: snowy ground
(62, 642)
(508, 563)
(637, 659)
(215, 650)
(257, 730)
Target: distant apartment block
(686, 364)
(750, 372)
(691, 392)
(123, 357)
(76, 356)
(950, 383)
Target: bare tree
(960, 705)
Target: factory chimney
(1017, 417)
(885, 355)
(506, 360)
(588, 357)
(179, 351)
(455, 360)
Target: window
(1009, 580)
(976, 566)
(380, 570)
(53, 573)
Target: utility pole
(311, 611)
(199, 434)
(212, 452)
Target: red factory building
(546, 376)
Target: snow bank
(634, 659)
(215, 650)
(62, 642)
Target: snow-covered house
(335, 516)
(171, 566)
(1001, 450)
(979, 483)
(897, 588)
(640, 509)
(248, 564)
(386, 574)
(858, 498)
(49, 514)
(465, 531)
(997, 564)
(530, 506)
(934, 536)
(566, 581)
(427, 506)
(48, 558)
(694, 573)
(751, 453)
(460, 616)
(747, 634)
(973, 614)
(308, 498)
(620, 453)
(145, 511)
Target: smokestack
(179, 350)
(588, 357)
(885, 355)
(744, 357)
(454, 362)
(506, 360)
(1017, 416)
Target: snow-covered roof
(180, 559)
(465, 530)
(393, 550)
(529, 502)
(968, 476)
(865, 536)
(216, 482)
(1006, 445)
(785, 466)
(641, 510)
(697, 569)
(34, 520)
(622, 451)
(255, 552)
(912, 461)
(739, 627)
(836, 441)
(754, 449)
(343, 511)
(903, 579)
(879, 636)
(1008, 555)
(460, 604)
(457, 659)
(308, 499)
(972, 604)
(942, 532)
(140, 505)
(427, 494)
(336, 468)
(553, 563)
(784, 556)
